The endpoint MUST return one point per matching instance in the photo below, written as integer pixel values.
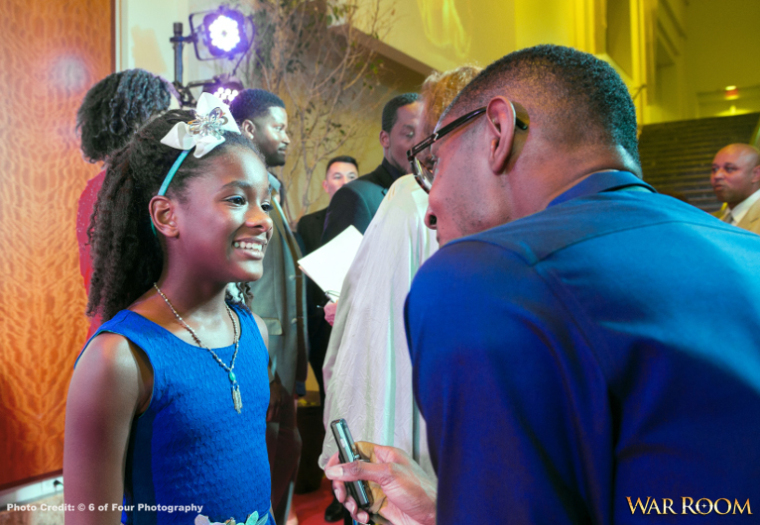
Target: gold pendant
(236, 400)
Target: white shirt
(741, 209)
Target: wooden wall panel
(51, 52)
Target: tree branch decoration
(319, 57)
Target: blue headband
(172, 172)
(168, 180)
(212, 119)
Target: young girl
(165, 417)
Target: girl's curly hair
(127, 256)
(116, 106)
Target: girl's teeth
(246, 245)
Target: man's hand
(277, 394)
(402, 493)
(330, 309)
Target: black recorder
(356, 489)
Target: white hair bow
(205, 132)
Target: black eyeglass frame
(411, 155)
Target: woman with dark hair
(111, 112)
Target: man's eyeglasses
(423, 172)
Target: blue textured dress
(190, 447)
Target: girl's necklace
(236, 400)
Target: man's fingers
(382, 454)
(334, 460)
(339, 489)
(360, 470)
(353, 509)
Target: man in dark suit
(356, 203)
(279, 298)
(340, 171)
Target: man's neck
(391, 169)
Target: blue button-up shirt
(579, 364)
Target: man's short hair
(391, 108)
(253, 103)
(341, 158)
(578, 98)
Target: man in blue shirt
(594, 356)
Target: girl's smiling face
(222, 220)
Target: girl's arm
(111, 384)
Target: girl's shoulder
(246, 315)
(262, 329)
(112, 370)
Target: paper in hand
(328, 265)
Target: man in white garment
(735, 180)
(367, 369)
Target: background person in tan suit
(735, 180)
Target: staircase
(676, 156)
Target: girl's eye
(237, 200)
(266, 206)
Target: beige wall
(143, 30)
(723, 48)
(445, 34)
(680, 54)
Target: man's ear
(324, 185)
(501, 132)
(385, 139)
(756, 173)
(163, 215)
(248, 129)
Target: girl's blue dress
(190, 447)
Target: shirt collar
(274, 182)
(599, 182)
(741, 209)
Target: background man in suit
(357, 202)
(735, 180)
(340, 171)
(279, 298)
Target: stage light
(218, 34)
(224, 87)
(223, 33)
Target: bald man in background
(735, 179)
